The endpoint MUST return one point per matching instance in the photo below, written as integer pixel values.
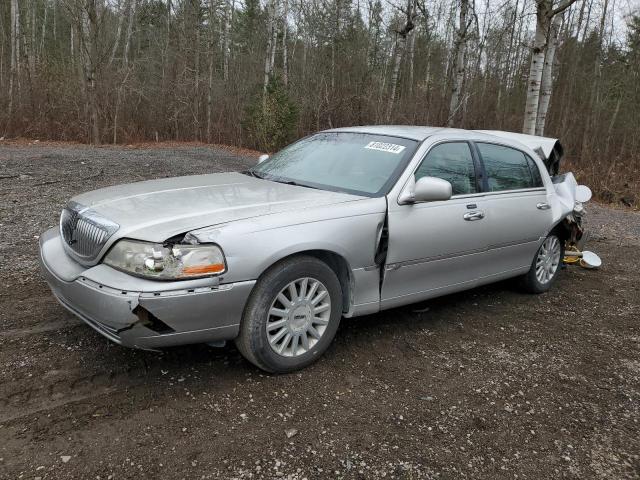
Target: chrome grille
(85, 232)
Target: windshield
(357, 163)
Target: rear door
(517, 209)
(437, 247)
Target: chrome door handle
(543, 206)
(473, 216)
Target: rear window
(507, 168)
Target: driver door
(437, 247)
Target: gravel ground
(489, 383)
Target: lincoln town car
(342, 223)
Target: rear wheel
(291, 316)
(545, 266)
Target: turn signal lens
(203, 269)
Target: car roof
(412, 132)
(420, 133)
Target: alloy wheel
(298, 317)
(548, 259)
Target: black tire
(253, 342)
(530, 281)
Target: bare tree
(545, 12)
(229, 7)
(272, 35)
(546, 85)
(285, 59)
(400, 46)
(460, 62)
(85, 15)
(127, 42)
(14, 77)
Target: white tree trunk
(285, 59)
(15, 53)
(210, 72)
(89, 53)
(400, 46)
(535, 73)
(43, 32)
(31, 53)
(227, 41)
(460, 51)
(546, 86)
(268, 65)
(544, 16)
(116, 42)
(132, 17)
(412, 51)
(274, 36)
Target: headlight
(177, 262)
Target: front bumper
(142, 313)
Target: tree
(545, 12)
(460, 61)
(271, 118)
(546, 85)
(15, 53)
(400, 47)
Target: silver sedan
(342, 223)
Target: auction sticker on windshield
(385, 147)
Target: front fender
(253, 245)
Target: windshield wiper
(251, 173)
(296, 184)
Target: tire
(266, 315)
(545, 267)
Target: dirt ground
(490, 383)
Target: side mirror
(426, 189)
(262, 158)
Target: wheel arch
(561, 229)
(335, 261)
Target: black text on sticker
(385, 147)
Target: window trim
(535, 165)
(477, 170)
(486, 176)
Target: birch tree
(400, 47)
(127, 42)
(272, 36)
(545, 12)
(14, 77)
(546, 85)
(460, 62)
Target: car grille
(85, 232)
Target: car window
(507, 168)
(535, 173)
(452, 162)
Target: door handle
(543, 206)
(471, 216)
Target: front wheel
(291, 316)
(545, 266)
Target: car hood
(155, 210)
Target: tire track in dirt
(32, 398)
(41, 328)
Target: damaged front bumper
(141, 313)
